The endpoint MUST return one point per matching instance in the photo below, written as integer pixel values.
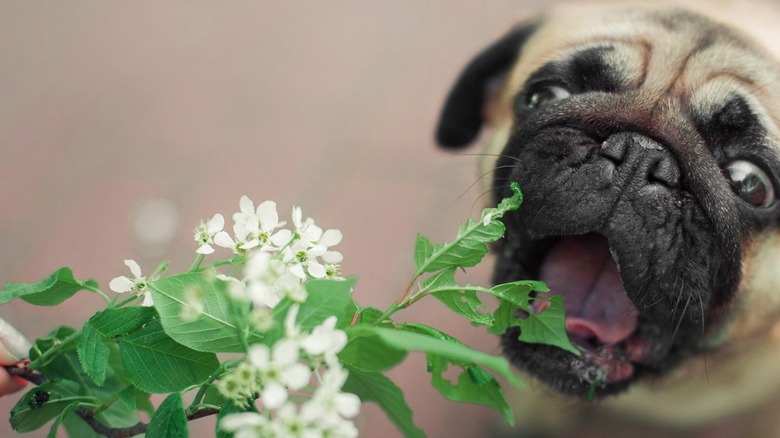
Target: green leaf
(325, 298)
(156, 363)
(546, 327)
(170, 420)
(423, 248)
(470, 245)
(50, 291)
(463, 302)
(44, 403)
(453, 351)
(371, 386)
(93, 354)
(214, 330)
(106, 325)
(474, 385)
(366, 351)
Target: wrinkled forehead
(675, 53)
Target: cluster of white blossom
(301, 363)
(297, 381)
(278, 260)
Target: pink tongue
(581, 269)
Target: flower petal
(297, 270)
(249, 245)
(246, 205)
(285, 352)
(282, 237)
(224, 240)
(297, 214)
(331, 238)
(259, 356)
(121, 284)
(148, 301)
(296, 376)
(333, 257)
(205, 249)
(134, 268)
(269, 218)
(234, 422)
(274, 395)
(316, 270)
(346, 404)
(316, 251)
(216, 224)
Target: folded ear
(461, 117)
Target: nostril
(665, 171)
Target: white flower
(205, 232)
(325, 340)
(260, 222)
(331, 238)
(246, 425)
(278, 370)
(310, 244)
(247, 213)
(268, 281)
(269, 221)
(308, 233)
(245, 237)
(328, 398)
(138, 284)
(334, 426)
(302, 260)
(290, 423)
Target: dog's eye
(546, 95)
(750, 183)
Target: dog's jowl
(647, 147)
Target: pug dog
(646, 143)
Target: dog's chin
(617, 345)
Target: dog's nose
(644, 155)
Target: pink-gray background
(113, 114)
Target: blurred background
(122, 124)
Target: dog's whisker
(480, 179)
(706, 369)
(508, 157)
(479, 198)
(679, 321)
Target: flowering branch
(304, 353)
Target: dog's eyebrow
(584, 70)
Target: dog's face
(646, 145)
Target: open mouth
(601, 320)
